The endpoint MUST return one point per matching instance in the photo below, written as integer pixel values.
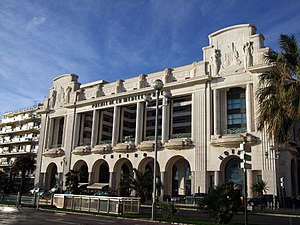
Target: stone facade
(105, 129)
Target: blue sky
(117, 39)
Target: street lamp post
(158, 86)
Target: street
(32, 216)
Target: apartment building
(19, 135)
(105, 129)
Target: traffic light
(245, 156)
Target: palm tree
(278, 93)
(223, 201)
(141, 183)
(24, 165)
(260, 188)
(72, 181)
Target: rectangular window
(181, 117)
(236, 111)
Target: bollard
(290, 221)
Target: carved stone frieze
(233, 140)
(148, 146)
(54, 152)
(179, 144)
(82, 150)
(124, 147)
(102, 149)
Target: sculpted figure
(248, 51)
(67, 94)
(215, 62)
(52, 99)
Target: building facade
(105, 129)
(19, 135)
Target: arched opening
(52, 176)
(233, 173)
(104, 173)
(122, 167)
(174, 181)
(82, 168)
(83, 174)
(177, 177)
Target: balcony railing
(181, 135)
(235, 130)
(7, 131)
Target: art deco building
(19, 135)
(104, 129)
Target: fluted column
(249, 107)
(116, 125)
(95, 128)
(139, 123)
(216, 112)
(165, 122)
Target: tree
(141, 183)
(223, 202)
(72, 181)
(24, 165)
(260, 188)
(3, 182)
(278, 92)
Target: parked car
(263, 200)
(37, 191)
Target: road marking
(100, 220)
(60, 221)
(60, 214)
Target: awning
(98, 186)
(82, 184)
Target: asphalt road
(31, 216)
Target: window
(181, 119)
(236, 110)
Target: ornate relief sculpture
(231, 59)
(248, 57)
(215, 62)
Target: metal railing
(235, 130)
(104, 204)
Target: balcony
(54, 152)
(19, 140)
(179, 143)
(82, 150)
(125, 147)
(102, 148)
(148, 146)
(233, 140)
(23, 130)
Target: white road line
(60, 221)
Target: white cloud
(35, 22)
